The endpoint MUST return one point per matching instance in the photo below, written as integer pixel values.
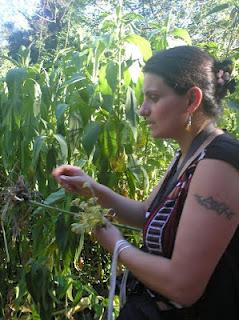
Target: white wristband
(124, 247)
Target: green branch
(45, 206)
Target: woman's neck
(187, 138)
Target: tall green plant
(81, 107)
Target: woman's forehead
(153, 82)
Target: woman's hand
(73, 179)
(107, 236)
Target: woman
(189, 266)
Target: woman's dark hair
(187, 66)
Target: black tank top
(221, 297)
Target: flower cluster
(223, 77)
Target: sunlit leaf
(104, 86)
(100, 48)
(37, 99)
(135, 71)
(182, 34)
(142, 44)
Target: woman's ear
(194, 99)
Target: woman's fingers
(62, 173)
(70, 183)
(73, 179)
(67, 170)
(78, 184)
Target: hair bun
(223, 71)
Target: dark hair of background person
(186, 66)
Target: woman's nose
(144, 110)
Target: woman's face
(164, 110)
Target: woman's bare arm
(209, 219)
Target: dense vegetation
(70, 88)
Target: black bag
(140, 307)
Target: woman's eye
(154, 98)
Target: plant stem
(38, 204)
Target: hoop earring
(189, 123)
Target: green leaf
(60, 109)
(131, 110)
(33, 290)
(111, 139)
(37, 99)
(61, 233)
(142, 44)
(38, 143)
(131, 179)
(63, 145)
(51, 159)
(16, 75)
(104, 86)
(111, 75)
(74, 79)
(107, 102)
(62, 52)
(219, 8)
(132, 16)
(35, 314)
(138, 89)
(90, 136)
(127, 77)
(182, 34)
(38, 284)
(126, 135)
(55, 196)
(14, 79)
(78, 251)
(100, 48)
(96, 61)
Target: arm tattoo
(211, 204)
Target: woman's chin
(159, 134)
(156, 133)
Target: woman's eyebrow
(151, 91)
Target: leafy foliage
(77, 102)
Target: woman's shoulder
(224, 147)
